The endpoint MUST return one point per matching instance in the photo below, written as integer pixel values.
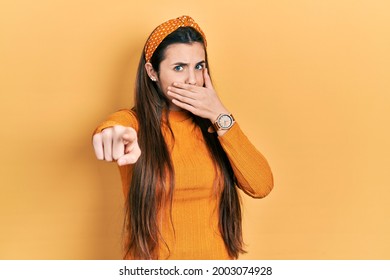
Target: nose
(191, 78)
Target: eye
(178, 68)
(199, 66)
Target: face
(183, 63)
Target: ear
(151, 73)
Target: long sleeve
(250, 167)
(123, 117)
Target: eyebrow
(183, 63)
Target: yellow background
(307, 80)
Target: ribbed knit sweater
(194, 232)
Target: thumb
(207, 79)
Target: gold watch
(223, 122)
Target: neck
(173, 107)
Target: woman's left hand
(201, 101)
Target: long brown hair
(153, 173)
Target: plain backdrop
(308, 81)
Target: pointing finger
(131, 155)
(129, 136)
(122, 137)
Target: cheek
(164, 82)
(169, 78)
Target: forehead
(180, 52)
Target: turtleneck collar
(179, 116)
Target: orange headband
(166, 28)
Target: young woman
(181, 154)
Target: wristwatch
(223, 122)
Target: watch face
(225, 121)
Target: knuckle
(117, 129)
(107, 133)
(132, 135)
(129, 130)
(117, 132)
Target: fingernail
(121, 161)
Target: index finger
(129, 136)
(207, 79)
(188, 87)
(123, 136)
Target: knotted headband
(166, 28)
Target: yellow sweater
(195, 203)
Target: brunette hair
(153, 174)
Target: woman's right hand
(117, 143)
